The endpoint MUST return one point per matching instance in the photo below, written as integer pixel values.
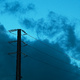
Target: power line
(52, 57)
(52, 47)
(47, 54)
(48, 63)
(48, 46)
(54, 66)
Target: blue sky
(55, 22)
(67, 8)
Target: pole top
(17, 30)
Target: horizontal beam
(12, 41)
(16, 41)
(12, 30)
(12, 53)
(16, 52)
(16, 30)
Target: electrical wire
(53, 66)
(52, 47)
(53, 57)
(48, 55)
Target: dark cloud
(7, 70)
(30, 7)
(16, 7)
(28, 23)
(12, 7)
(32, 68)
(71, 37)
(57, 29)
(40, 71)
(53, 26)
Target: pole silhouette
(18, 62)
(18, 58)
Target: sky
(55, 51)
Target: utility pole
(18, 60)
(18, 64)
